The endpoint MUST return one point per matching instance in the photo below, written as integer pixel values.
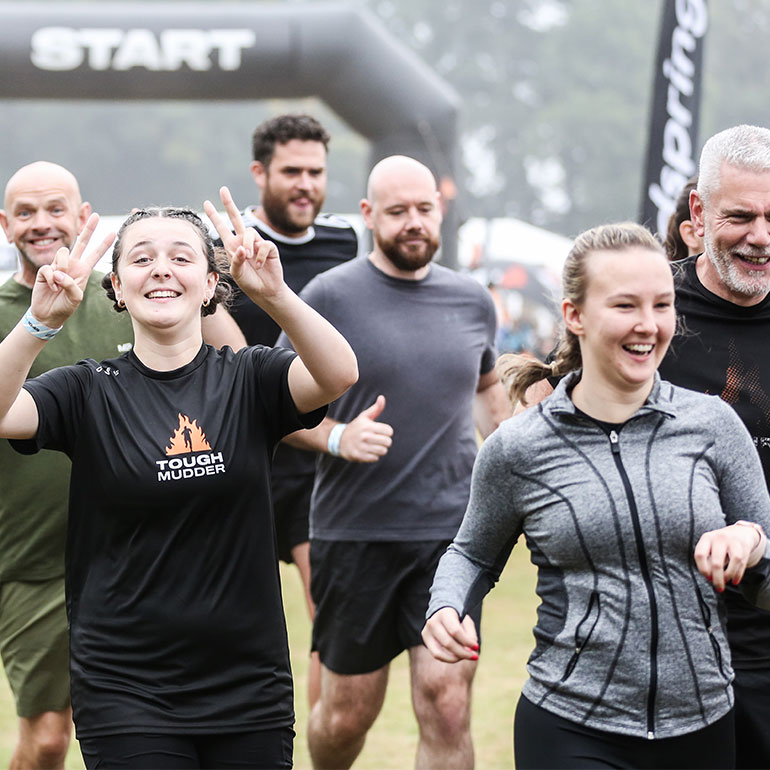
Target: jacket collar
(659, 401)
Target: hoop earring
(206, 301)
(121, 302)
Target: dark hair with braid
(215, 255)
(519, 372)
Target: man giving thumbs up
(394, 476)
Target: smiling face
(627, 319)
(43, 212)
(735, 226)
(163, 274)
(293, 185)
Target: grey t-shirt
(423, 345)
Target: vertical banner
(673, 136)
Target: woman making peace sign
(179, 654)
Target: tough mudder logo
(65, 48)
(190, 454)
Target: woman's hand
(58, 288)
(723, 555)
(448, 639)
(254, 262)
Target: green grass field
(509, 614)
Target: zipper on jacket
(706, 614)
(581, 638)
(615, 446)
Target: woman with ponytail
(631, 495)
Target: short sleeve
(60, 395)
(489, 356)
(271, 367)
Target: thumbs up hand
(365, 440)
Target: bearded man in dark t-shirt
(722, 299)
(289, 167)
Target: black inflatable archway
(129, 50)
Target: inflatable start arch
(123, 51)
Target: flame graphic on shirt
(188, 437)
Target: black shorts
(259, 749)
(543, 740)
(291, 508)
(752, 717)
(371, 599)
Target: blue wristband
(37, 329)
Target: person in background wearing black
(179, 655)
(722, 298)
(681, 239)
(289, 167)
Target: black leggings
(543, 741)
(262, 750)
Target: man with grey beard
(722, 299)
(389, 495)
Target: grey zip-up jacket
(629, 636)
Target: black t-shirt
(723, 351)
(173, 592)
(329, 242)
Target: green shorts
(34, 645)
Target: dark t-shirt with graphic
(723, 351)
(173, 593)
(328, 243)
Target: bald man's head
(395, 169)
(402, 211)
(43, 212)
(41, 174)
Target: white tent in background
(508, 239)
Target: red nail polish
(475, 647)
(474, 657)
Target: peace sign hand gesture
(254, 262)
(58, 288)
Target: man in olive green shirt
(43, 212)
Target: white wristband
(38, 329)
(335, 435)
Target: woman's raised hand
(254, 262)
(58, 288)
